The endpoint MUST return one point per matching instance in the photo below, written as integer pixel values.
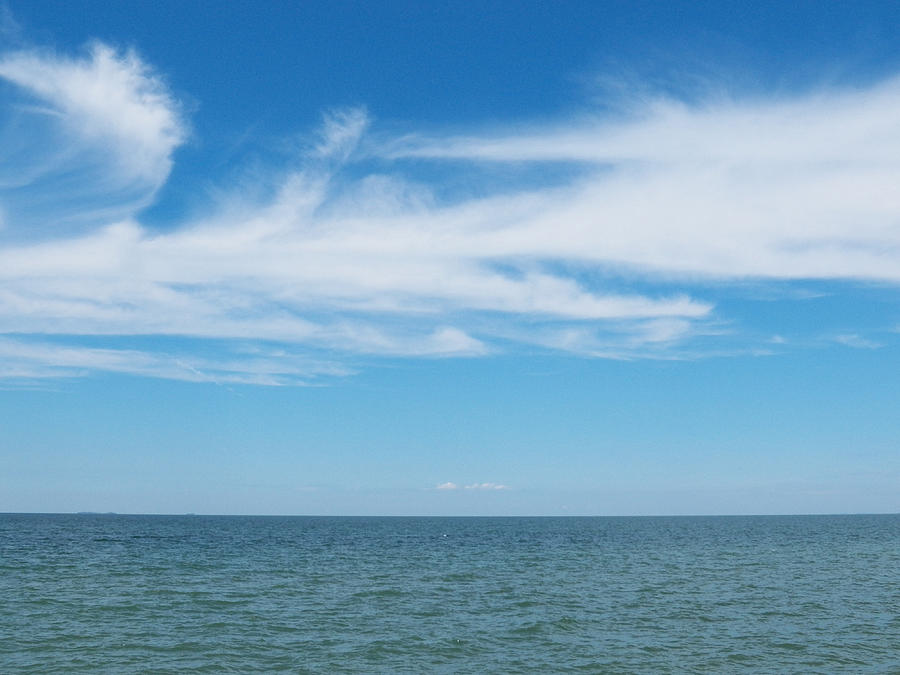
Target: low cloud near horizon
(660, 200)
(472, 486)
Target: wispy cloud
(487, 486)
(341, 132)
(40, 359)
(472, 486)
(350, 259)
(86, 139)
(856, 341)
(780, 188)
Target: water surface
(109, 593)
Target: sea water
(129, 594)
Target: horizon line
(325, 515)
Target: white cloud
(100, 130)
(106, 96)
(799, 188)
(381, 263)
(340, 133)
(856, 341)
(473, 486)
(30, 360)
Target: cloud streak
(86, 140)
(41, 359)
(472, 486)
(785, 189)
(352, 260)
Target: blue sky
(414, 258)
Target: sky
(529, 258)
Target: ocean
(220, 594)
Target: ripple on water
(322, 595)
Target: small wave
(460, 576)
(380, 593)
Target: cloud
(793, 188)
(41, 359)
(856, 341)
(341, 132)
(350, 260)
(86, 139)
(473, 486)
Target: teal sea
(136, 594)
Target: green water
(97, 593)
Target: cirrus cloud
(350, 260)
(86, 139)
